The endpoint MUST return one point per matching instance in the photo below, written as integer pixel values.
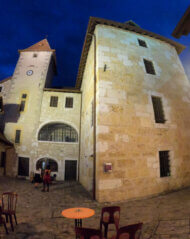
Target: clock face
(29, 73)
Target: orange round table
(78, 213)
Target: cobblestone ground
(39, 213)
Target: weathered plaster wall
(21, 83)
(59, 151)
(127, 135)
(86, 155)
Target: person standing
(37, 177)
(46, 179)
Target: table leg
(78, 223)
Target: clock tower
(34, 71)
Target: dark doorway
(3, 162)
(70, 170)
(23, 166)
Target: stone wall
(86, 152)
(127, 135)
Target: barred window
(158, 110)
(142, 43)
(58, 132)
(54, 101)
(17, 136)
(69, 102)
(149, 67)
(164, 163)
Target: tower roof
(42, 45)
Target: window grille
(53, 101)
(22, 105)
(69, 102)
(1, 105)
(149, 67)
(142, 43)
(164, 163)
(58, 133)
(17, 136)
(158, 110)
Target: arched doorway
(44, 162)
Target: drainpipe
(94, 121)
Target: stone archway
(44, 162)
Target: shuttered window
(69, 102)
(164, 163)
(142, 43)
(17, 136)
(158, 110)
(149, 67)
(53, 101)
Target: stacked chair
(9, 201)
(110, 215)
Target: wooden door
(70, 170)
(23, 166)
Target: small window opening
(164, 163)
(1, 88)
(142, 43)
(158, 110)
(17, 136)
(53, 101)
(149, 67)
(69, 102)
(35, 55)
(22, 105)
(24, 96)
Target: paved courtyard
(39, 213)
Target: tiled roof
(183, 26)
(90, 30)
(4, 140)
(42, 45)
(6, 79)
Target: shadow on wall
(11, 115)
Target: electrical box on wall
(107, 167)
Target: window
(142, 43)
(149, 67)
(35, 55)
(23, 102)
(17, 136)
(92, 113)
(164, 163)
(58, 132)
(53, 101)
(22, 105)
(1, 88)
(1, 105)
(69, 102)
(158, 110)
(2, 159)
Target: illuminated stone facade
(127, 134)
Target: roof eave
(88, 38)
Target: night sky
(64, 23)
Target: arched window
(58, 132)
(44, 162)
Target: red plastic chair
(109, 215)
(88, 233)
(129, 232)
(9, 200)
(2, 221)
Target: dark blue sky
(25, 22)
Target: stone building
(127, 116)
